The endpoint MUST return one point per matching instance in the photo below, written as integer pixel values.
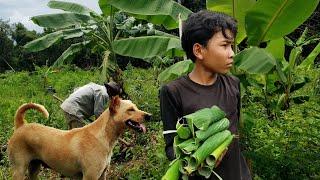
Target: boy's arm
(169, 116)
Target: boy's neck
(202, 77)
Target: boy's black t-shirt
(183, 96)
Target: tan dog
(82, 152)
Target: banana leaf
(308, 62)
(44, 42)
(176, 70)
(212, 159)
(160, 12)
(60, 20)
(176, 149)
(234, 8)
(202, 118)
(70, 7)
(205, 170)
(185, 162)
(48, 40)
(207, 147)
(183, 131)
(255, 60)
(188, 169)
(216, 127)
(145, 46)
(188, 146)
(69, 54)
(272, 19)
(173, 171)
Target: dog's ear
(114, 104)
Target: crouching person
(87, 101)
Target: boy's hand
(221, 157)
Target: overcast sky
(22, 10)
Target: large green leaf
(106, 8)
(238, 12)
(255, 60)
(276, 48)
(176, 70)
(164, 12)
(48, 40)
(72, 33)
(44, 42)
(60, 20)
(272, 19)
(146, 46)
(299, 82)
(70, 7)
(308, 62)
(69, 54)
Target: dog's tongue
(143, 128)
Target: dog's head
(126, 112)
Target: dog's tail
(19, 118)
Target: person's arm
(100, 101)
(169, 116)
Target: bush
(287, 147)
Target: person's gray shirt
(86, 101)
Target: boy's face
(217, 57)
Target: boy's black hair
(201, 26)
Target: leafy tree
(21, 35)
(6, 46)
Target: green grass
(284, 148)
(138, 162)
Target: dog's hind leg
(19, 171)
(34, 169)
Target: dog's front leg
(93, 174)
(90, 177)
(104, 174)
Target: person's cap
(113, 88)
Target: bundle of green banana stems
(202, 138)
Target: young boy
(207, 39)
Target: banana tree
(98, 31)
(288, 81)
(278, 85)
(160, 12)
(259, 21)
(90, 29)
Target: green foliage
(272, 19)
(234, 8)
(161, 12)
(142, 87)
(285, 148)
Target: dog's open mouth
(136, 126)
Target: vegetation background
(277, 143)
